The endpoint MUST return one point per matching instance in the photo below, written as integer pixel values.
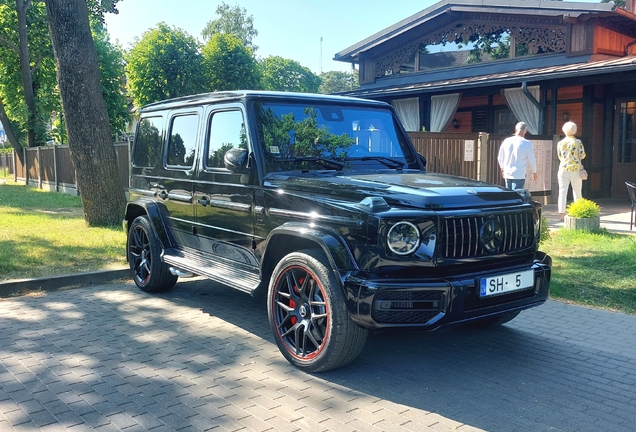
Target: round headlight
(403, 238)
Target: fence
(471, 155)
(6, 164)
(474, 155)
(51, 167)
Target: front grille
(406, 307)
(462, 237)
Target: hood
(407, 190)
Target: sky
(287, 28)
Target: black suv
(322, 203)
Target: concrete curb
(18, 287)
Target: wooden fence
(471, 155)
(51, 167)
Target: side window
(182, 141)
(226, 130)
(148, 142)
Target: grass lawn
(593, 269)
(44, 234)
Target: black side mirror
(235, 160)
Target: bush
(545, 230)
(583, 209)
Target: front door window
(626, 133)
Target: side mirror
(235, 160)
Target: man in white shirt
(515, 154)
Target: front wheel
(144, 256)
(308, 315)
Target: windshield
(333, 137)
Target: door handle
(203, 201)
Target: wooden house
(482, 65)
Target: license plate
(506, 283)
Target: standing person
(570, 151)
(515, 154)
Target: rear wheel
(308, 315)
(144, 252)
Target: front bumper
(434, 303)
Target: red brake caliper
(292, 303)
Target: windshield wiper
(331, 163)
(389, 162)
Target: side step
(226, 272)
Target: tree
(164, 64)
(234, 21)
(229, 65)
(112, 74)
(25, 22)
(336, 81)
(27, 71)
(288, 75)
(86, 117)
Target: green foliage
(42, 70)
(111, 67)
(545, 230)
(336, 81)
(583, 208)
(232, 21)
(165, 63)
(294, 138)
(282, 74)
(229, 65)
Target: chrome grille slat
(461, 236)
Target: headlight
(403, 238)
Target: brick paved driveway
(114, 358)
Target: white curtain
(522, 108)
(408, 110)
(443, 108)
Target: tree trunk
(87, 124)
(25, 68)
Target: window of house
(460, 45)
(505, 121)
(626, 133)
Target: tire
(494, 321)
(308, 315)
(144, 256)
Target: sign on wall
(543, 155)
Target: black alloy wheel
(308, 315)
(144, 250)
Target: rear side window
(182, 140)
(226, 131)
(148, 142)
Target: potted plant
(583, 214)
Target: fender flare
(332, 244)
(155, 212)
